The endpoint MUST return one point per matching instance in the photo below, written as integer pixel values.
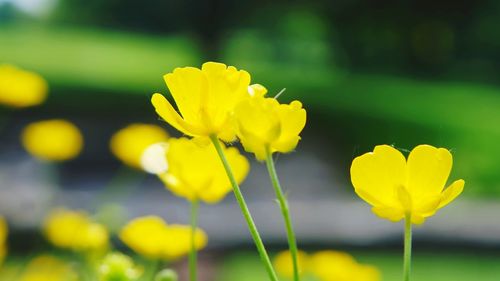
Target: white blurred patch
(251, 91)
(33, 7)
(154, 158)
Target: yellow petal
(392, 214)
(188, 86)
(293, 119)
(378, 174)
(168, 113)
(428, 170)
(450, 193)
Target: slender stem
(407, 251)
(292, 242)
(192, 254)
(150, 270)
(246, 213)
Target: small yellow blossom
(284, 265)
(196, 173)
(263, 124)
(4, 231)
(397, 187)
(179, 237)
(339, 266)
(20, 88)
(129, 143)
(205, 98)
(163, 241)
(118, 267)
(52, 140)
(48, 268)
(76, 231)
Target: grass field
(427, 266)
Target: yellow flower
(196, 173)
(205, 98)
(48, 268)
(4, 231)
(20, 88)
(265, 124)
(163, 241)
(339, 266)
(117, 266)
(179, 241)
(52, 140)
(396, 187)
(284, 265)
(129, 143)
(75, 230)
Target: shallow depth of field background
(368, 73)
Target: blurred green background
(368, 72)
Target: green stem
(246, 213)
(292, 242)
(407, 251)
(192, 254)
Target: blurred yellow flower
(76, 231)
(48, 268)
(205, 98)
(179, 237)
(4, 231)
(263, 124)
(129, 143)
(339, 266)
(284, 266)
(20, 88)
(52, 140)
(397, 187)
(196, 173)
(118, 267)
(152, 237)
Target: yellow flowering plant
(412, 189)
(4, 231)
(164, 241)
(48, 268)
(206, 99)
(53, 140)
(196, 173)
(331, 265)
(20, 88)
(326, 265)
(75, 230)
(128, 144)
(264, 127)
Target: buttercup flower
(129, 143)
(196, 173)
(396, 187)
(284, 266)
(48, 268)
(205, 98)
(52, 140)
(20, 88)
(263, 124)
(163, 241)
(4, 230)
(118, 267)
(339, 266)
(75, 230)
